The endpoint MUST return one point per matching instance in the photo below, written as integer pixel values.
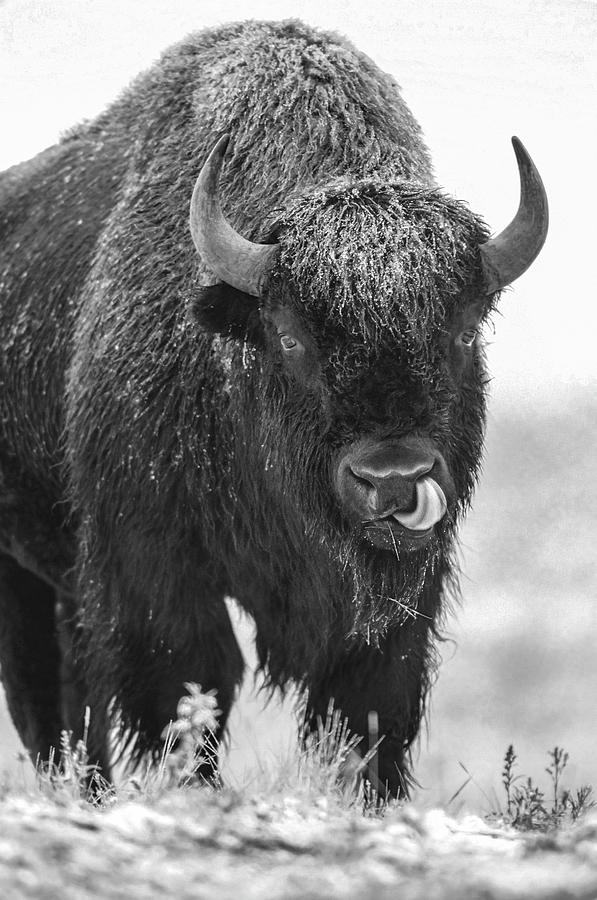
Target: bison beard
(159, 450)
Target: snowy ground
(195, 845)
(524, 669)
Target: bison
(282, 403)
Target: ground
(199, 843)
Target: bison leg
(44, 692)
(30, 657)
(74, 694)
(209, 656)
(388, 680)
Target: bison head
(368, 307)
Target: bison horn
(237, 261)
(508, 255)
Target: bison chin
(387, 534)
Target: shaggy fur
(156, 453)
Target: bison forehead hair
(383, 262)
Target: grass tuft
(527, 807)
(69, 775)
(330, 766)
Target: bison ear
(225, 310)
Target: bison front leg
(45, 692)
(74, 694)
(149, 673)
(212, 660)
(30, 658)
(390, 680)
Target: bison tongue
(431, 506)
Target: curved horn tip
(523, 157)
(215, 157)
(220, 147)
(520, 151)
(509, 254)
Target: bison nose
(385, 478)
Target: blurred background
(520, 666)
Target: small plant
(508, 777)
(526, 806)
(559, 761)
(189, 743)
(578, 804)
(73, 774)
(528, 812)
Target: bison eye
(289, 343)
(468, 337)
